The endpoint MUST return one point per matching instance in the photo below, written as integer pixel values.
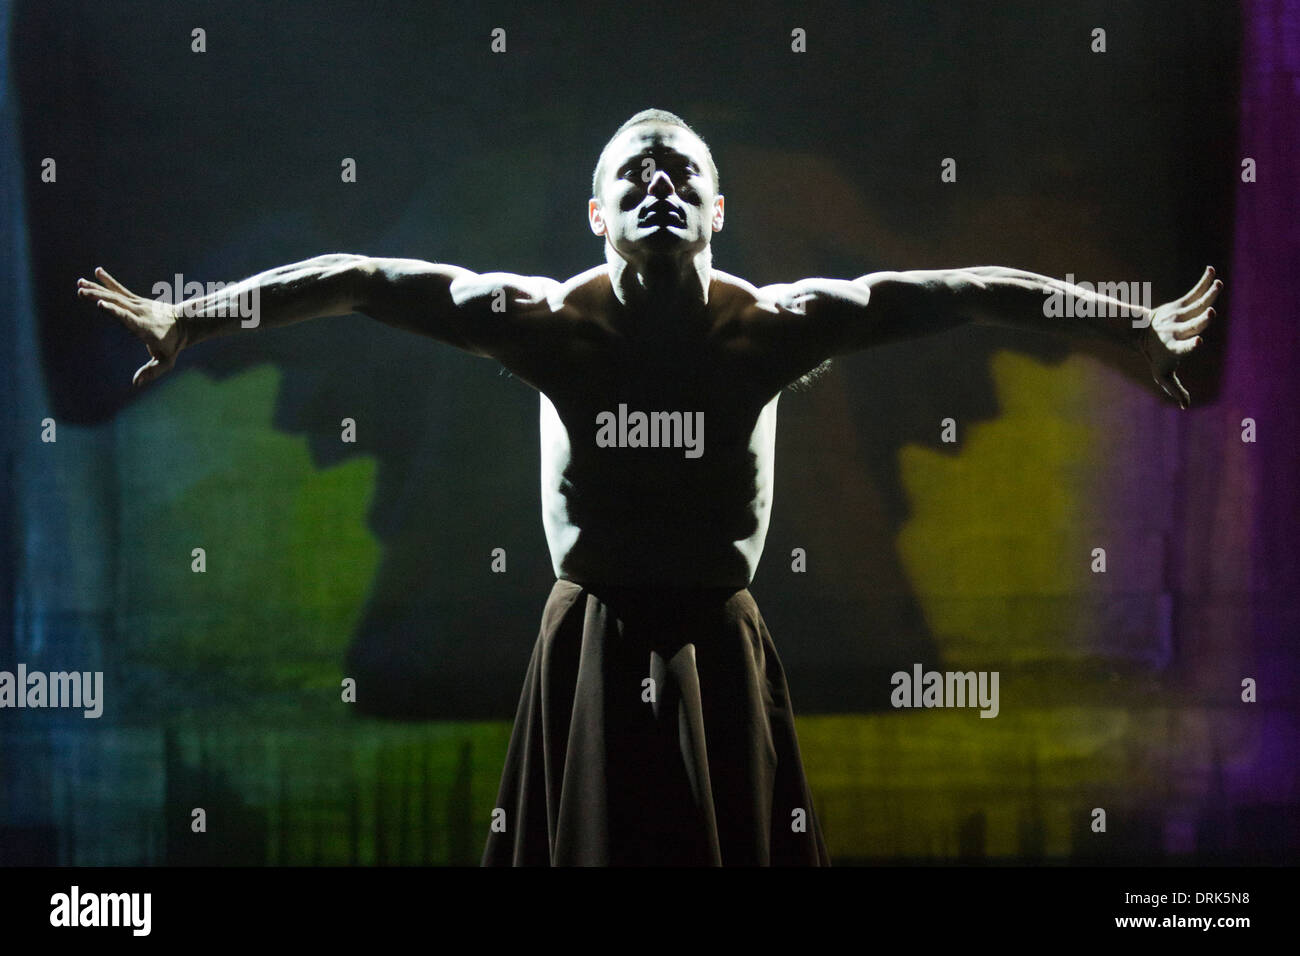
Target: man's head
(655, 188)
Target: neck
(661, 281)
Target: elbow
(352, 277)
(337, 260)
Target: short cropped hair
(651, 116)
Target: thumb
(1174, 389)
(150, 370)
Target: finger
(87, 287)
(1174, 389)
(1203, 303)
(125, 316)
(100, 294)
(1199, 289)
(1194, 327)
(1184, 346)
(1185, 330)
(111, 282)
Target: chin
(659, 239)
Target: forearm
(323, 285)
(1002, 296)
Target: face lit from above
(657, 195)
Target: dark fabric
(709, 773)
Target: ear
(594, 217)
(717, 214)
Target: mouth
(662, 214)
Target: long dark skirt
(654, 728)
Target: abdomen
(644, 516)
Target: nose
(661, 185)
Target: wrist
(1142, 331)
(185, 334)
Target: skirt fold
(654, 728)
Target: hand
(153, 322)
(1174, 332)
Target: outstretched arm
(818, 318)
(498, 315)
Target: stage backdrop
(125, 146)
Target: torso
(677, 516)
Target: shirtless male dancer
(655, 724)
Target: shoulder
(764, 328)
(787, 298)
(732, 292)
(734, 304)
(538, 301)
(584, 293)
